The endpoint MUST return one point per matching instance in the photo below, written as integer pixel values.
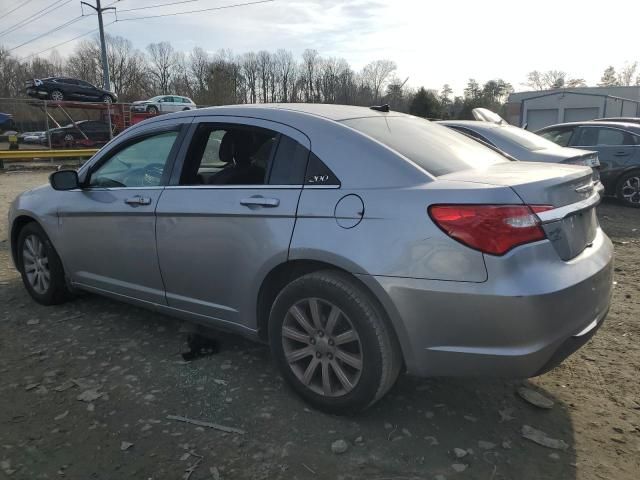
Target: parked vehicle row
(357, 243)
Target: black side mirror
(64, 180)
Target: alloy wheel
(322, 347)
(631, 190)
(57, 96)
(36, 264)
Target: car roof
(635, 128)
(328, 111)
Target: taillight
(493, 229)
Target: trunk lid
(572, 224)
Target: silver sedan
(356, 242)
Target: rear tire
(346, 357)
(628, 189)
(40, 266)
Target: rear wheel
(628, 189)
(56, 96)
(332, 343)
(40, 266)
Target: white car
(163, 104)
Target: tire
(69, 140)
(56, 96)
(33, 240)
(152, 110)
(628, 189)
(374, 348)
(107, 99)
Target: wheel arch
(288, 271)
(16, 227)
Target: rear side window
(559, 136)
(434, 148)
(594, 136)
(289, 163)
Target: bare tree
(375, 75)
(625, 77)
(310, 61)
(162, 60)
(199, 64)
(285, 67)
(250, 73)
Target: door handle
(138, 200)
(260, 202)
(621, 154)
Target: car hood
(141, 102)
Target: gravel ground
(86, 389)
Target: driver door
(108, 226)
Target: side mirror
(64, 180)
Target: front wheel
(56, 96)
(107, 99)
(152, 110)
(332, 342)
(628, 189)
(40, 266)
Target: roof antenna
(380, 108)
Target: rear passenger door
(616, 149)
(227, 217)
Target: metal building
(540, 108)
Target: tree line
(263, 76)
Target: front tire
(152, 110)
(628, 189)
(107, 99)
(56, 96)
(40, 266)
(332, 342)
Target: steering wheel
(149, 176)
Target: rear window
(523, 138)
(434, 148)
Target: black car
(85, 133)
(65, 88)
(618, 147)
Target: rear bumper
(522, 321)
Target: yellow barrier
(25, 155)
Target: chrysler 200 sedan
(356, 242)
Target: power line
(18, 7)
(157, 5)
(40, 13)
(196, 11)
(55, 29)
(63, 43)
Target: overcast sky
(432, 42)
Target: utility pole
(103, 45)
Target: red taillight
(493, 229)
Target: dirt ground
(130, 360)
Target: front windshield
(525, 139)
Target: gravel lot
(86, 388)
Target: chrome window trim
(563, 212)
(233, 187)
